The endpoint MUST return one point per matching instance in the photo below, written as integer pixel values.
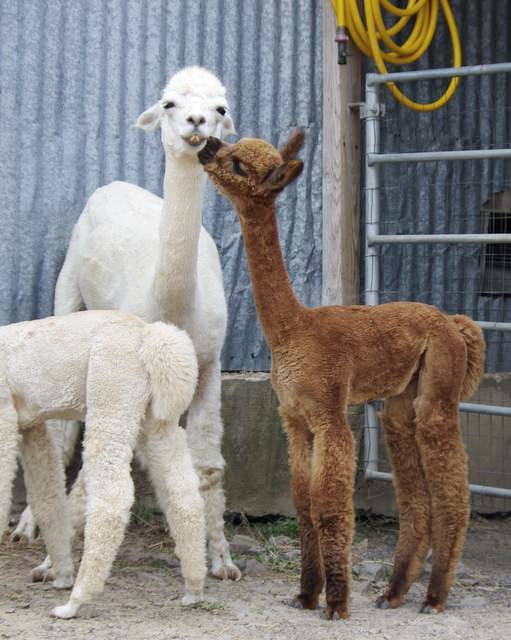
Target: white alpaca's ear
(228, 126)
(150, 119)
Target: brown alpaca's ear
(281, 176)
(293, 145)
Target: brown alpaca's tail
(476, 348)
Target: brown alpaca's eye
(221, 110)
(168, 105)
(237, 167)
(267, 175)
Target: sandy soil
(141, 599)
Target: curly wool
(130, 382)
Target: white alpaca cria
(130, 382)
(132, 251)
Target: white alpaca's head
(192, 108)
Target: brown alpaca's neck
(277, 307)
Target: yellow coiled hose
(369, 39)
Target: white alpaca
(130, 382)
(132, 251)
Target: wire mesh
(474, 279)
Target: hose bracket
(368, 111)
(341, 37)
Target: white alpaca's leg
(77, 501)
(76, 508)
(9, 441)
(110, 494)
(115, 407)
(68, 297)
(67, 300)
(44, 479)
(177, 487)
(204, 431)
(65, 435)
(26, 528)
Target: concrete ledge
(255, 446)
(255, 449)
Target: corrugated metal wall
(75, 74)
(447, 197)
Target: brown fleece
(412, 355)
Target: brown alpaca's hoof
(382, 603)
(429, 608)
(335, 611)
(387, 602)
(433, 604)
(303, 601)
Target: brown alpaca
(420, 360)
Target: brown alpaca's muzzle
(210, 150)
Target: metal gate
(372, 113)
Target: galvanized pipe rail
(432, 74)
(487, 409)
(371, 113)
(436, 156)
(441, 238)
(496, 492)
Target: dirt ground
(142, 596)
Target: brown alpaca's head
(251, 170)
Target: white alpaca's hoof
(66, 611)
(17, 536)
(64, 582)
(64, 574)
(225, 571)
(42, 573)
(26, 529)
(192, 597)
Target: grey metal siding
(74, 75)
(446, 197)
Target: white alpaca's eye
(221, 110)
(168, 105)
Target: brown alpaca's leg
(412, 494)
(443, 457)
(445, 466)
(333, 470)
(300, 461)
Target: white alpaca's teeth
(195, 140)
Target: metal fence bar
(435, 156)
(497, 492)
(487, 409)
(494, 326)
(454, 238)
(371, 435)
(371, 423)
(431, 74)
(372, 201)
(467, 407)
(371, 114)
(372, 263)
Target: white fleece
(129, 381)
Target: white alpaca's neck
(175, 285)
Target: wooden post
(341, 168)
